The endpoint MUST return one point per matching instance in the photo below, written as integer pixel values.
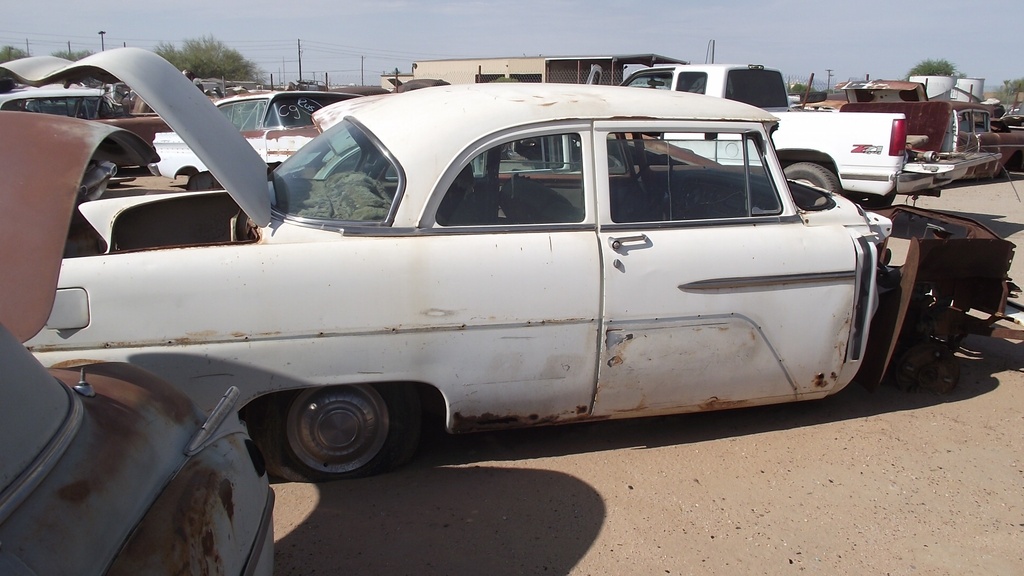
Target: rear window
(295, 111)
(757, 87)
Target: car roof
(463, 113)
(269, 94)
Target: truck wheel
(340, 432)
(815, 175)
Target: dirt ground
(859, 483)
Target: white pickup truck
(862, 156)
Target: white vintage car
(516, 255)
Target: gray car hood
(234, 163)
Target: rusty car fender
(954, 266)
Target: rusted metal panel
(204, 521)
(953, 266)
(44, 159)
(866, 90)
(931, 119)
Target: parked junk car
(507, 254)
(106, 468)
(1013, 118)
(276, 124)
(97, 104)
(942, 128)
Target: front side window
(688, 176)
(537, 180)
(658, 80)
(340, 176)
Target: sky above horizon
(356, 41)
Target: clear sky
(357, 40)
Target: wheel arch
(792, 156)
(187, 171)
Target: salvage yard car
(105, 468)
(276, 124)
(509, 254)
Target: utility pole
(828, 85)
(299, 44)
(102, 46)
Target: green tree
(938, 67)
(72, 55)
(8, 53)
(207, 57)
(1012, 92)
(797, 88)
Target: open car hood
(44, 158)
(234, 163)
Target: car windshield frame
(342, 178)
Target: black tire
(338, 432)
(814, 175)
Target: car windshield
(340, 176)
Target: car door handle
(617, 243)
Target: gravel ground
(858, 483)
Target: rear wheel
(338, 432)
(814, 175)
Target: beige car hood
(44, 158)
(185, 109)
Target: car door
(715, 292)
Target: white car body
(587, 315)
(275, 124)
